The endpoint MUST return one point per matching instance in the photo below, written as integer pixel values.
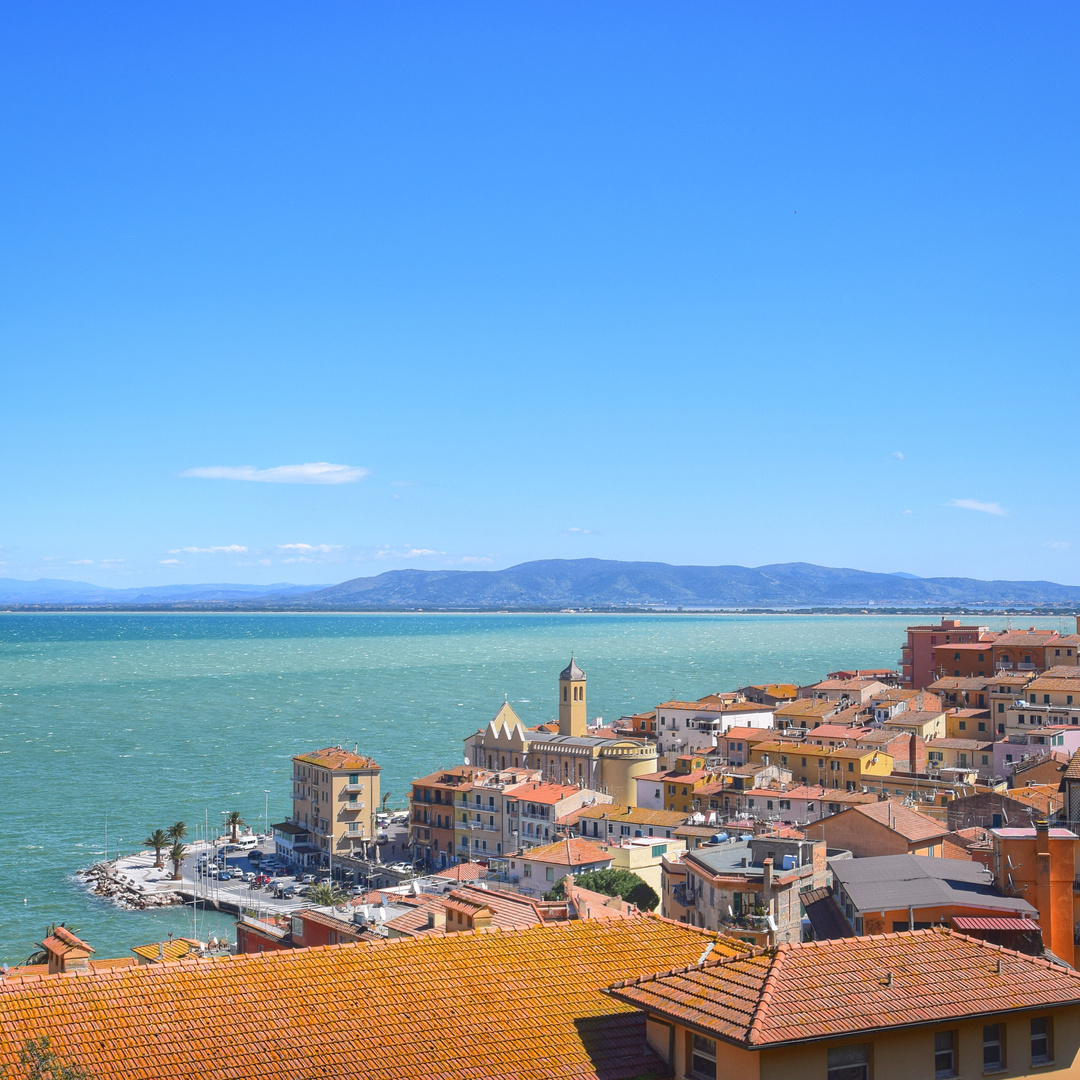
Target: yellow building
(925, 724)
(920, 1004)
(335, 800)
(644, 856)
(846, 767)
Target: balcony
(350, 806)
(761, 924)
(352, 787)
(479, 826)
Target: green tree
(176, 832)
(176, 857)
(327, 894)
(159, 841)
(235, 823)
(623, 884)
(41, 1063)
(40, 955)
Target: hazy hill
(56, 591)
(580, 583)
(599, 583)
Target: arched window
(564, 693)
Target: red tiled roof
(983, 922)
(367, 1011)
(835, 988)
(333, 757)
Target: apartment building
(881, 828)
(751, 888)
(431, 814)
(613, 822)
(335, 800)
(846, 767)
(917, 669)
(533, 809)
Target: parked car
(255, 856)
(224, 875)
(400, 817)
(248, 875)
(259, 880)
(214, 872)
(284, 892)
(308, 879)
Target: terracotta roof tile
(849, 986)
(368, 1011)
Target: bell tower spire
(573, 717)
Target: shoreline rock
(101, 880)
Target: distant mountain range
(578, 583)
(55, 591)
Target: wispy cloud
(1057, 545)
(111, 562)
(168, 562)
(579, 531)
(898, 454)
(410, 553)
(314, 472)
(310, 548)
(217, 549)
(982, 507)
(909, 511)
(80, 562)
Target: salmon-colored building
(917, 655)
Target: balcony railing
(353, 787)
(351, 806)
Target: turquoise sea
(158, 717)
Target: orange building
(1038, 864)
(1025, 650)
(964, 660)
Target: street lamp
(266, 814)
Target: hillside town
(770, 880)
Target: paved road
(241, 895)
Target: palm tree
(176, 832)
(235, 822)
(176, 857)
(327, 894)
(40, 955)
(159, 841)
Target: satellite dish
(466, 759)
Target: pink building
(917, 659)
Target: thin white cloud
(110, 562)
(217, 549)
(898, 454)
(168, 562)
(80, 562)
(411, 553)
(909, 511)
(314, 472)
(579, 531)
(982, 507)
(1057, 545)
(309, 548)
(265, 562)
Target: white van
(246, 842)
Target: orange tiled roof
(333, 757)
(571, 852)
(908, 823)
(540, 791)
(467, 871)
(843, 987)
(631, 815)
(368, 1011)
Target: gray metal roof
(572, 672)
(888, 882)
(574, 740)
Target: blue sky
(692, 282)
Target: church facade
(568, 756)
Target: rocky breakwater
(129, 887)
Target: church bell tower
(573, 719)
